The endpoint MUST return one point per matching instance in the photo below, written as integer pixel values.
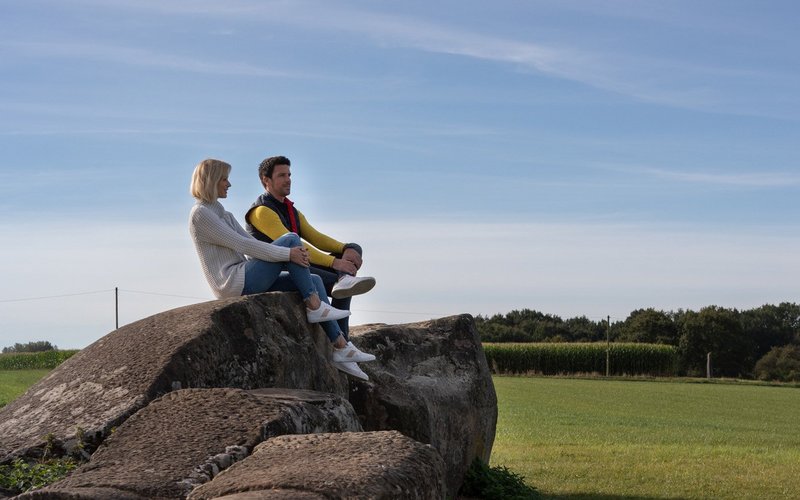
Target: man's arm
(268, 222)
(350, 262)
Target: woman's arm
(208, 227)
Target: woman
(235, 263)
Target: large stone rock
(376, 465)
(432, 383)
(187, 437)
(248, 342)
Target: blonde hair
(206, 177)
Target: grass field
(14, 382)
(582, 439)
(590, 438)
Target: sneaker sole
(359, 375)
(363, 358)
(357, 289)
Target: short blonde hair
(206, 177)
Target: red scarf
(292, 220)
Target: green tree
(780, 363)
(772, 326)
(582, 329)
(719, 331)
(38, 346)
(649, 326)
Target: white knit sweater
(224, 246)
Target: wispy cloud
(133, 56)
(623, 70)
(743, 179)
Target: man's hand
(299, 255)
(345, 266)
(352, 256)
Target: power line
(55, 296)
(163, 294)
(141, 292)
(403, 312)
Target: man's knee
(356, 247)
(288, 240)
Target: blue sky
(574, 157)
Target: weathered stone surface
(432, 383)
(276, 494)
(378, 465)
(247, 342)
(186, 437)
(81, 494)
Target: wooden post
(708, 366)
(116, 304)
(608, 346)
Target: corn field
(570, 358)
(45, 360)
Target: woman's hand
(299, 256)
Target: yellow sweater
(319, 245)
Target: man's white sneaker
(325, 312)
(351, 368)
(350, 353)
(347, 286)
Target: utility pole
(116, 304)
(608, 346)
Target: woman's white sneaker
(325, 312)
(351, 368)
(362, 354)
(347, 286)
(350, 353)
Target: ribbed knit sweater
(224, 247)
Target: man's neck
(281, 199)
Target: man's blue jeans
(329, 278)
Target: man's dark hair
(268, 165)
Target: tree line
(37, 346)
(756, 343)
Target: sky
(575, 157)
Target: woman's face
(222, 187)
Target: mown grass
(13, 383)
(624, 439)
(584, 438)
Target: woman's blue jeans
(263, 276)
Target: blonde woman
(235, 263)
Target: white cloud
(740, 179)
(623, 69)
(116, 54)
(424, 269)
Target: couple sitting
(271, 256)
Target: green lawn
(581, 439)
(15, 382)
(590, 438)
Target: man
(273, 215)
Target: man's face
(280, 185)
